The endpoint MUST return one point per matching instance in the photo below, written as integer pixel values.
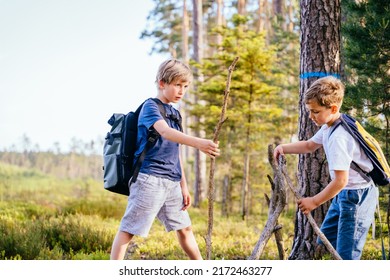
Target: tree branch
(222, 119)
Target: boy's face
(321, 115)
(174, 91)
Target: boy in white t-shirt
(354, 200)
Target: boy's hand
(307, 204)
(209, 148)
(186, 198)
(278, 151)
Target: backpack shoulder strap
(335, 125)
(177, 120)
(152, 137)
(160, 107)
(344, 120)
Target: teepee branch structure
(276, 206)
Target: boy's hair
(172, 70)
(326, 92)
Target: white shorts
(152, 196)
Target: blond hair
(325, 91)
(173, 70)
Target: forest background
(52, 203)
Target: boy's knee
(185, 230)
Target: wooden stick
(328, 245)
(222, 119)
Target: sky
(67, 65)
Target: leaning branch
(310, 218)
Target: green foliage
(367, 56)
(79, 228)
(164, 27)
(77, 233)
(259, 102)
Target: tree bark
(241, 7)
(200, 159)
(260, 23)
(183, 108)
(320, 51)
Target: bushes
(78, 233)
(26, 235)
(20, 239)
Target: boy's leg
(330, 224)
(119, 246)
(188, 243)
(175, 219)
(357, 214)
(144, 202)
(365, 216)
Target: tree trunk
(241, 7)
(245, 186)
(184, 112)
(290, 24)
(278, 13)
(245, 179)
(200, 160)
(219, 21)
(260, 11)
(267, 21)
(320, 46)
(185, 28)
(226, 191)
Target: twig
(222, 119)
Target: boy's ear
(334, 108)
(161, 84)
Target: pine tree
(367, 58)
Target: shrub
(76, 233)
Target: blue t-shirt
(162, 160)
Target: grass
(43, 217)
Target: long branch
(222, 119)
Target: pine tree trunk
(260, 23)
(199, 160)
(320, 46)
(226, 186)
(245, 179)
(241, 7)
(219, 21)
(183, 108)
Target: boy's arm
(184, 188)
(206, 146)
(331, 190)
(301, 147)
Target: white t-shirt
(341, 149)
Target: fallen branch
(222, 119)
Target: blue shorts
(152, 196)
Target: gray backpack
(120, 146)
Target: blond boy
(161, 187)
